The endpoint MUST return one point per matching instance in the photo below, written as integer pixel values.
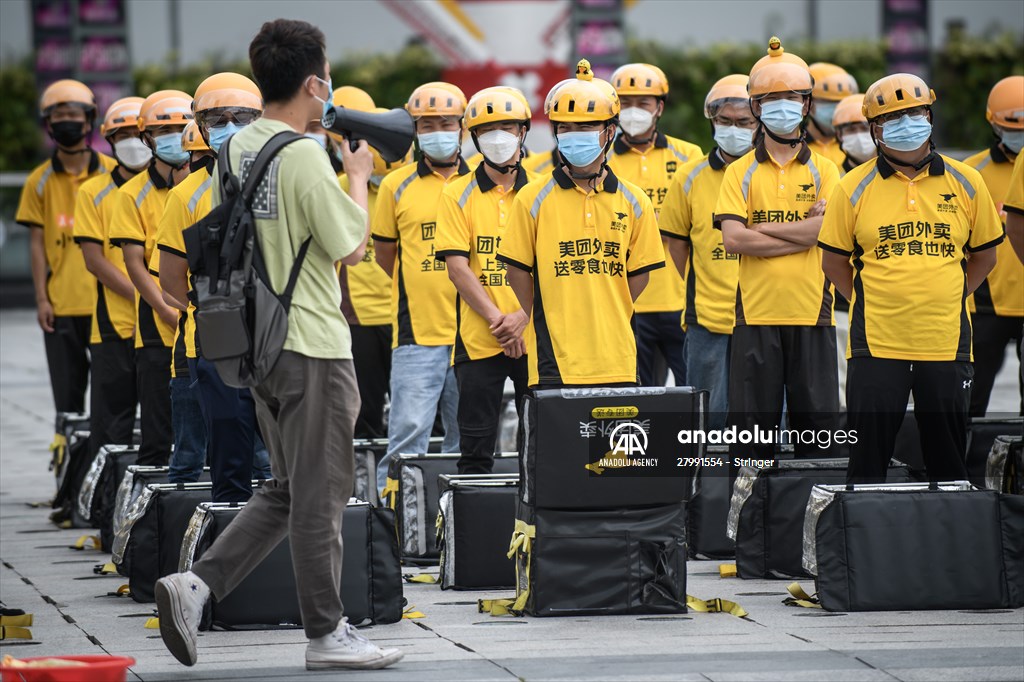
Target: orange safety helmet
(583, 99)
(640, 80)
(192, 140)
(165, 107)
(849, 110)
(227, 89)
(1006, 103)
(779, 71)
(497, 104)
(124, 113)
(832, 82)
(68, 91)
(436, 99)
(895, 93)
(730, 88)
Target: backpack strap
(263, 159)
(286, 296)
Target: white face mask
(635, 121)
(133, 153)
(498, 146)
(859, 146)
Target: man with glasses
(906, 239)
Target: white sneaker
(180, 598)
(346, 648)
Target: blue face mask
(168, 150)
(219, 135)
(439, 146)
(733, 140)
(822, 114)
(907, 133)
(580, 148)
(328, 106)
(1013, 139)
(319, 138)
(782, 116)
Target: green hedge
(963, 72)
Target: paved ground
(75, 615)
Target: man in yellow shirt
(906, 239)
(852, 133)
(366, 291)
(997, 307)
(579, 246)
(648, 158)
(687, 221)
(224, 103)
(1014, 207)
(423, 298)
(138, 208)
(113, 398)
(471, 222)
(769, 211)
(831, 84)
(63, 286)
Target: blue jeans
(707, 367)
(660, 333)
(421, 378)
(237, 453)
(189, 455)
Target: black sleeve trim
(440, 255)
(90, 240)
(646, 268)
(717, 224)
(826, 247)
(121, 241)
(155, 273)
(378, 238)
(1013, 209)
(986, 245)
(30, 225)
(514, 263)
(171, 250)
(673, 235)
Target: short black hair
(283, 55)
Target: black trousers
(114, 394)
(768, 364)
(481, 386)
(371, 355)
(153, 377)
(67, 356)
(991, 334)
(660, 333)
(876, 401)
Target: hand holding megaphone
(390, 133)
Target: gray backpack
(241, 322)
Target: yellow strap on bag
(59, 447)
(22, 620)
(81, 542)
(800, 598)
(715, 606)
(105, 569)
(11, 632)
(123, 591)
(425, 578)
(152, 624)
(497, 607)
(726, 570)
(390, 492)
(523, 536)
(411, 613)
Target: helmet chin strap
(783, 140)
(508, 168)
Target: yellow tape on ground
(726, 570)
(11, 632)
(715, 606)
(81, 542)
(124, 591)
(498, 607)
(152, 624)
(411, 613)
(424, 578)
(24, 620)
(800, 598)
(106, 569)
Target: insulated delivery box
(477, 517)
(915, 546)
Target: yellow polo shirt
(1014, 201)
(541, 163)
(581, 247)
(138, 208)
(1002, 292)
(909, 241)
(187, 204)
(48, 202)
(472, 219)
(113, 315)
(365, 288)
(829, 148)
(652, 171)
(712, 274)
(423, 298)
(784, 290)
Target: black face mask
(202, 162)
(67, 133)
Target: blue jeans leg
(420, 375)
(231, 425)
(707, 367)
(189, 454)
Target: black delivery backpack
(477, 517)
(371, 578)
(916, 546)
